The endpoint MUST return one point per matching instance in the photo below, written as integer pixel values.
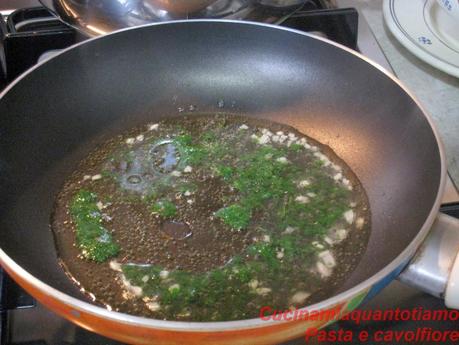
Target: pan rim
(183, 326)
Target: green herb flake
(191, 153)
(95, 242)
(235, 216)
(164, 208)
(204, 290)
(225, 172)
(296, 147)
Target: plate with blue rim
(426, 30)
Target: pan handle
(452, 288)
(435, 267)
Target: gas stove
(26, 34)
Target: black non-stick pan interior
(55, 114)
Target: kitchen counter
(436, 91)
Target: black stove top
(30, 32)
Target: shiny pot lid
(99, 17)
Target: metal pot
(99, 17)
(96, 17)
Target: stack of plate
(427, 30)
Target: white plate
(426, 30)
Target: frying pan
(55, 113)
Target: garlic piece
(302, 199)
(164, 274)
(263, 291)
(327, 258)
(323, 270)
(359, 223)
(299, 297)
(153, 127)
(253, 284)
(349, 216)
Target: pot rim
(185, 326)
